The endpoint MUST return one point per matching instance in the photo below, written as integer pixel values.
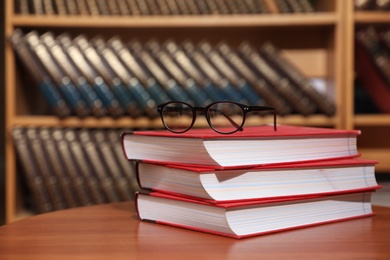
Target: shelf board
(372, 17)
(144, 122)
(381, 155)
(372, 120)
(315, 19)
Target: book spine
(98, 166)
(48, 7)
(68, 163)
(50, 180)
(35, 182)
(123, 8)
(132, 65)
(270, 96)
(87, 92)
(245, 90)
(127, 168)
(42, 79)
(60, 7)
(282, 85)
(120, 181)
(82, 164)
(93, 7)
(143, 101)
(58, 168)
(174, 91)
(106, 75)
(324, 103)
(103, 92)
(67, 89)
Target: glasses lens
(226, 117)
(177, 117)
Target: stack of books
(252, 182)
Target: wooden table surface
(112, 231)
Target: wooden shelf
(316, 19)
(372, 17)
(372, 120)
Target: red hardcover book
(252, 146)
(274, 181)
(370, 77)
(245, 219)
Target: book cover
(253, 145)
(369, 76)
(298, 179)
(245, 219)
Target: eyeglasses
(224, 117)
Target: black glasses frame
(245, 109)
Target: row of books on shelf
(160, 7)
(372, 64)
(66, 167)
(99, 77)
(253, 182)
(372, 5)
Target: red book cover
(262, 216)
(367, 73)
(251, 146)
(277, 181)
(267, 131)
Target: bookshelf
(318, 47)
(374, 143)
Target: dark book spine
(173, 7)
(143, 7)
(127, 167)
(136, 91)
(106, 75)
(41, 78)
(123, 8)
(281, 84)
(87, 92)
(97, 164)
(80, 159)
(283, 6)
(215, 77)
(34, 179)
(58, 168)
(271, 97)
(22, 7)
(306, 6)
(49, 178)
(82, 7)
(132, 65)
(71, 7)
(103, 92)
(245, 89)
(369, 38)
(48, 7)
(67, 89)
(78, 183)
(324, 103)
(197, 94)
(174, 91)
(59, 6)
(294, 6)
(115, 172)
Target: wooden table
(112, 231)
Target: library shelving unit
(374, 143)
(313, 41)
